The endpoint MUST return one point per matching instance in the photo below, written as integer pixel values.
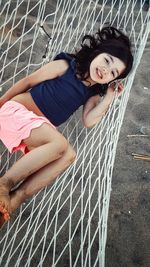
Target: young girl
(33, 108)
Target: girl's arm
(49, 71)
(94, 109)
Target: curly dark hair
(108, 40)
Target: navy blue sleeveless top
(59, 98)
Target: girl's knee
(61, 145)
(71, 154)
(62, 142)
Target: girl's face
(104, 68)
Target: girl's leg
(49, 145)
(37, 181)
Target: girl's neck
(89, 82)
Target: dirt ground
(128, 242)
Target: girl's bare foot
(15, 202)
(4, 215)
(4, 218)
(4, 202)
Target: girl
(34, 106)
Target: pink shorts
(16, 123)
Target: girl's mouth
(99, 73)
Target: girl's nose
(105, 71)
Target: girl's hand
(116, 86)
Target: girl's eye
(107, 61)
(113, 74)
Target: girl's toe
(6, 216)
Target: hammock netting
(66, 223)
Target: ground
(129, 217)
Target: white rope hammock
(66, 223)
